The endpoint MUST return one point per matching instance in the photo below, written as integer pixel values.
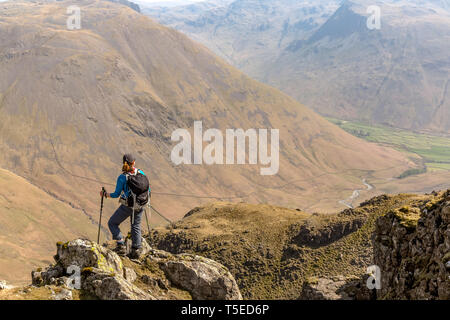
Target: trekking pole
(146, 217)
(101, 211)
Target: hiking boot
(121, 249)
(135, 253)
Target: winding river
(349, 201)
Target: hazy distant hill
(127, 3)
(248, 33)
(398, 75)
(323, 54)
(161, 5)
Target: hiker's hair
(127, 167)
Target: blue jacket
(122, 187)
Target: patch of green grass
(433, 149)
(412, 172)
(438, 166)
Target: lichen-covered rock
(102, 272)
(104, 275)
(85, 253)
(411, 247)
(204, 278)
(107, 286)
(47, 276)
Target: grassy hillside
(271, 251)
(31, 222)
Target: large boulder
(85, 254)
(101, 271)
(110, 286)
(103, 274)
(204, 278)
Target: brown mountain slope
(31, 222)
(124, 83)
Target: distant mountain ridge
(247, 33)
(397, 75)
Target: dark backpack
(138, 185)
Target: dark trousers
(121, 214)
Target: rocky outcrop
(107, 286)
(204, 278)
(175, 242)
(330, 231)
(336, 288)
(87, 254)
(412, 249)
(53, 274)
(103, 274)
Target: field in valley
(433, 150)
(430, 153)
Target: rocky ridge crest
(155, 275)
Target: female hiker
(134, 192)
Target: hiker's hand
(103, 194)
